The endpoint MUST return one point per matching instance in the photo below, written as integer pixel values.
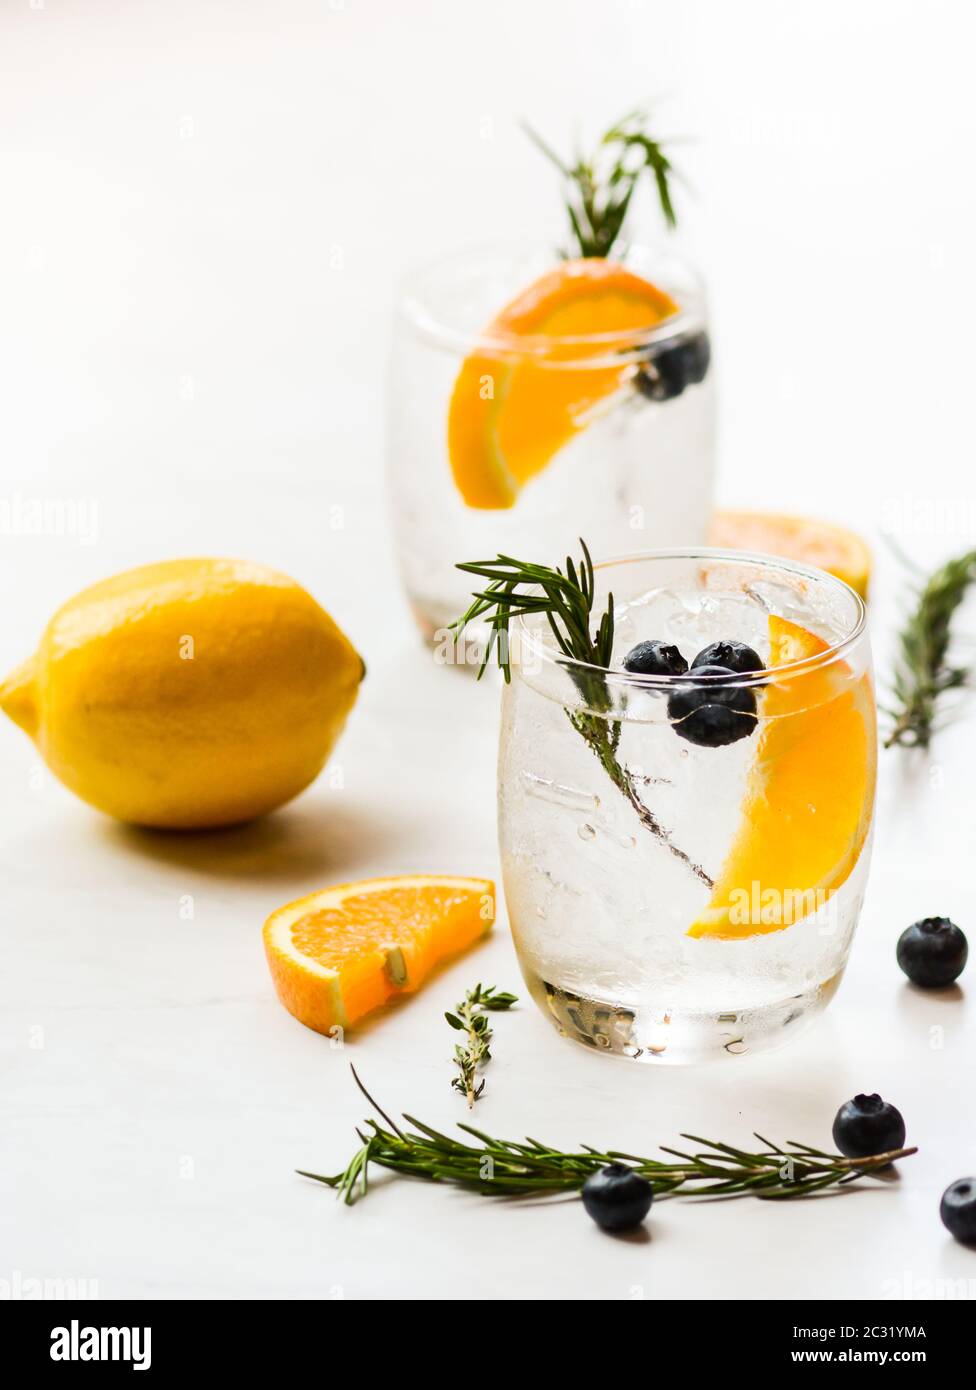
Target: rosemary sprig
(600, 188)
(505, 1168)
(471, 1017)
(566, 599)
(924, 672)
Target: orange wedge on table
(820, 543)
(808, 803)
(511, 411)
(340, 953)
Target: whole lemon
(187, 694)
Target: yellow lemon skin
(187, 694)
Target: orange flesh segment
(821, 543)
(510, 414)
(807, 809)
(337, 955)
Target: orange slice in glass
(808, 804)
(511, 411)
(340, 953)
(821, 543)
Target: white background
(205, 210)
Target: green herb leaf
(504, 1167)
(600, 188)
(472, 1017)
(924, 673)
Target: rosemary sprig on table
(566, 599)
(924, 672)
(600, 188)
(505, 1168)
(471, 1017)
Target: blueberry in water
(655, 659)
(734, 656)
(617, 1198)
(932, 952)
(676, 365)
(867, 1125)
(696, 357)
(712, 714)
(958, 1209)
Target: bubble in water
(548, 790)
(759, 598)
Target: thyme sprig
(924, 671)
(506, 1168)
(471, 1017)
(565, 597)
(600, 187)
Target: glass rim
(615, 677)
(623, 345)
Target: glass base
(464, 655)
(671, 1037)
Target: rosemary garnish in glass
(471, 1017)
(504, 1167)
(924, 672)
(566, 600)
(600, 188)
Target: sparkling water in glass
(639, 473)
(618, 834)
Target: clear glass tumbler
(633, 412)
(685, 856)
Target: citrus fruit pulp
(338, 954)
(808, 803)
(820, 543)
(512, 410)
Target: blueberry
(683, 362)
(712, 714)
(868, 1125)
(655, 659)
(734, 656)
(958, 1209)
(932, 952)
(617, 1198)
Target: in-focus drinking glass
(673, 897)
(634, 412)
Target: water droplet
(586, 831)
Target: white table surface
(205, 211)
